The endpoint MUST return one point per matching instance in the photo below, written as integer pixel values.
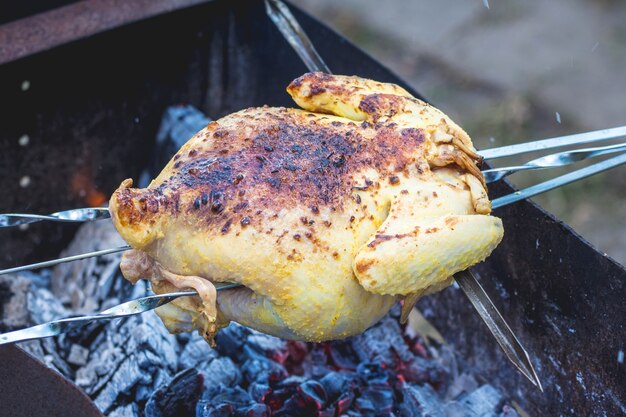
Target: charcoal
(124, 380)
(295, 406)
(185, 337)
(421, 371)
(365, 407)
(382, 343)
(254, 410)
(279, 396)
(377, 388)
(270, 346)
(258, 368)
(13, 295)
(83, 336)
(292, 382)
(422, 401)
(84, 285)
(223, 410)
(345, 401)
(53, 359)
(220, 371)
(483, 401)
(462, 384)
(372, 373)
(315, 363)
(297, 351)
(78, 355)
(382, 398)
(39, 279)
(342, 355)
(177, 398)
(275, 400)
(328, 412)
(159, 377)
(197, 353)
(257, 390)
(508, 411)
(43, 306)
(235, 396)
(34, 348)
(455, 409)
(129, 410)
(178, 125)
(313, 394)
(230, 341)
(131, 353)
(334, 384)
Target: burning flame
(83, 185)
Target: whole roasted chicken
(326, 216)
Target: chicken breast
(327, 216)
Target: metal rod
(557, 142)
(295, 35)
(73, 215)
(497, 325)
(130, 308)
(57, 261)
(559, 181)
(554, 160)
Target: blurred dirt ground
(508, 72)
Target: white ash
(379, 341)
(78, 355)
(84, 285)
(196, 353)
(13, 295)
(44, 306)
(220, 371)
(483, 401)
(125, 411)
(130, 358)
(421, 401)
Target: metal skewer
(557, 182)
(130, 308)
(57, 261)
(295, 35)
(557, 142)
(552, 161)
(69, 216)
(498, 327)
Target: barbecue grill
(89, 110)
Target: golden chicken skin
(326, 216)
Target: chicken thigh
(326, 216)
